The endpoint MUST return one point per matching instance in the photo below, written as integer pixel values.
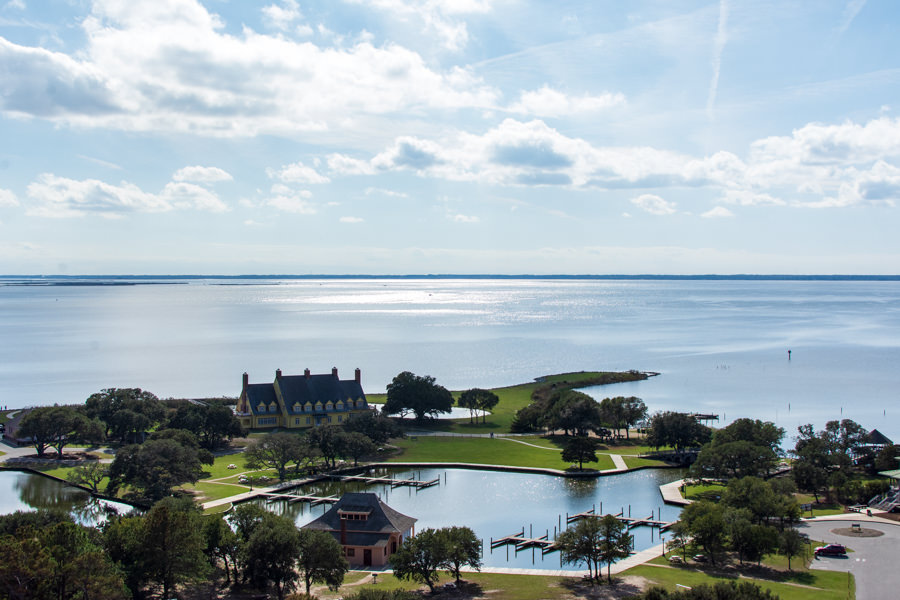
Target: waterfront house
(368, 530)
(300, 401)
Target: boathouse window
(350, 551)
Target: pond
(27, 491)
(497, 504)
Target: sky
(449, 136)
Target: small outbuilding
(369, 530)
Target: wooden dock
(521, 542)
(630, 522)
(313, 500)
(394, 483)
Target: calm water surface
(720, 346)
(26, 491)
(496, 504)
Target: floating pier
(522, 542)
(394, 483)
(313, 500)
(630, 522)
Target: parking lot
(871, 560)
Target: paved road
(873, 561)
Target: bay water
(719, 346)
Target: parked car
(701, 558)
(831, 550)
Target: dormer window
(353, 515)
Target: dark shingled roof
(382, 519)
(299, 389)
(876, 437)
(261, 392)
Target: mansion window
(267, 420)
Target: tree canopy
(678, 430)
(155, 467)
(418, 395)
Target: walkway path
(671, 493)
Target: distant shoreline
(115, 280)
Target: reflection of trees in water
(38, 492)
(581, 488)
(41, 492)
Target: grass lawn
(512, 398)
(495, 451)
(706, 491)
(495, 586)
(817, 585)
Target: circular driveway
(871, 560)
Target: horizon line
(484, 276)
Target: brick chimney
(306, 373)
(277, 373)
(334, 372)
(358, 375)
(246, 382)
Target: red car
(831, 550)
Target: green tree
(277, 451)
(25, 568)
(321, 559)
(678, 430)
(213, 422)
(463, 549)
(357, 445)
(377, 428)
(89, 475)
(791, 544)
(173, 543)
(52, 426)
(580, 543)
(331, 442)
(154, 467)
(477, 399)
(633, 411)
(615, 542)
(418, 395)
(705, 520)
(575, 411)
(106, 403)
(420, 557)
(271, 554)
(580, 449)
(222, 543)
(123, 540)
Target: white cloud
(61, 197)
(547, 102)
(169, 66)
(287, 200)
(8, 198)
(751, 198)
(717, 212)
(281, 16)
(199, 174)
(351, 220)
(463, 218)
(15, 5)
(383, 192)
(298, 173)
(820, 144)
(653, 204)
(439, 17)
(189, 195)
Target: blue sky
(449, 136)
